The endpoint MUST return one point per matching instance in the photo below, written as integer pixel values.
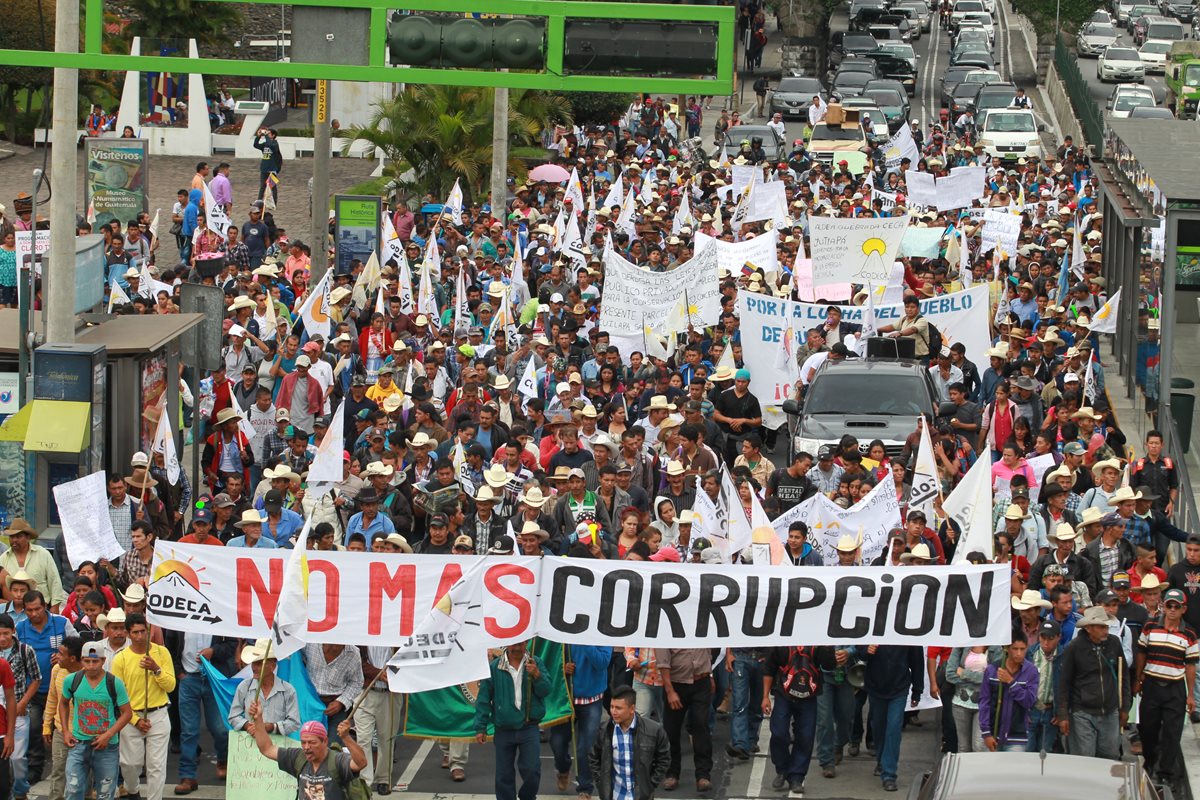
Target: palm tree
(434, 135)
(172, 21)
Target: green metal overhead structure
(555, 45)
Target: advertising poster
(115, 185)
(357, 234)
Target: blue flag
(289, 670)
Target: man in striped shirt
(1165, 674)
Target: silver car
(1095, 38)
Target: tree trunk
(8, 112)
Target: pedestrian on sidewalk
(760, 94)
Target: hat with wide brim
(918, 553)
(259, 651)
(141, 479)
(249, 517)
(1122, 495)
(1030, 598)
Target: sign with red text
(385, 600)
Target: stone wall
(801, 55)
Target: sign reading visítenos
(380, 599)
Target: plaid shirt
(1137, 531)
(1074, 501)
(273, 445)
(239, 255)
(133, 569)
(22, 660)
(622, 745)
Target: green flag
(449, 713)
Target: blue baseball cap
(742, 374)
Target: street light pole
(58, 284)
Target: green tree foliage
(1071, 14)
(27, 25)
(210, 24)
(434, 135)
(599, 108)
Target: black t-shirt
(1186, 578)
(789, 491)
(734, 407)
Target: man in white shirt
(816, 111)
(776, 124)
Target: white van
(1011, 133)
(1170, 30)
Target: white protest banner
(874, 516)
(926, 485)
(742, 174)
(922, 242)
(379, 599)
(768, 201)
(963, 186)
(922, 193)
(809, 294)
(999, 228)
(900, 147)
(636, 297)
(887, 200)
(761, 251)
(960, 316)
(86, 528)
(854, 250)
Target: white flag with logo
(1105, 320)
(574, 191)
(970, 505)
(289, 629)
(315, 311)
(215, 215)
(454, 204)
(404, 286)
(925, 477)
(528, 385)
(390, 248)
(164, 442)
(116, 295)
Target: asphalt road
(417, 773)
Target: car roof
(882, 366)
(1151, 112)
(988, 776)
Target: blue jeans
(746, 719)
(583, 729)
(195, 698)
(835, 714)
(887, 723)
(104, 764)
(1096, 736)
(793, 734)
(522, 747)
(1041, 733)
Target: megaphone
(856, 674)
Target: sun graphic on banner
(183, 569)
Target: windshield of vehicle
(1002, 122)
(1128, 101)
(858, 41)
(858, 393)
(1141, 11)
(968, 5)
(887, 99)
(965, 91)
(971, 37)
(1191, 75)
(897, 50)
(1164, 30)
(989, 98)
(808, 86)
(981, 76)
(984, 19)
(1101, 30)
(851, 80)
(1121, 54)
(1156, 47)
(826, 133)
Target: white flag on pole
(315, 311)
(528, 385)
(454, 204)
(970, 505)
(215, 215)
(289, 629)
(326, 467)
(164, 442)
(390, 248)
(925, 476)
(574, 191)
(1105, 320)
(116, 295)
(404, 286)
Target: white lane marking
(414, 765)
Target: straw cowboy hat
(141, 480)
(1108, 463)
(399, 542)
(1122, 495)
(1090, 516)
(1030, 598)
(249, 517)
(918, 553)
(421, 440)
(259, 651)
(533, 529)
(1014, 512)
(495, 476)
(21, 576)
(848, 543)
(225, 415)
(532, 498)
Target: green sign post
(357, 220)
(702, 36)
